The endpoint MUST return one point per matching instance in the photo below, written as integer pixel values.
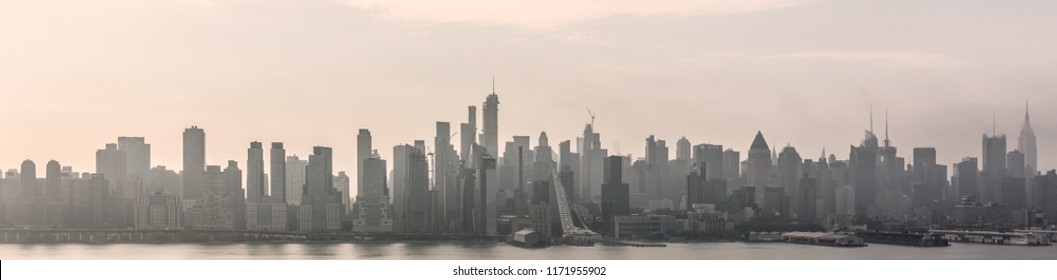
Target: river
(486, 250)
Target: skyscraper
(994, 167)
(111, 163)
(682, 149)
(277, 165)
(321, 209)
(616, 196)
(194, 162)
(1026, 145)
(295, 179)
(255, 191)
(863, 163)
(491, 123)
(137, 156)
(363, 151)
(372, 211)
(789, 173)
(758, 171)
(967, 177)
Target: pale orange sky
(75, 75)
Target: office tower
(1046, 195)
(924, 158)
(682, 149)
(569, 162)
(616, 196)
(490, 138)
(321, 209)
(295, 179)
(967, 177)
(277, 165)
(419, 197)
(712, 156)
(789, 172)
(342, 184)
(863, 163)
(363, 151)
(111, 163)
(445, 173)
(486, 206)
(468, 139)
(732, 167)
(255, 191)
(372, 210)
(1026, 145)
(928, 179)
(994, 168)
(806, 194)
(658, 171)
(265, 212)
(137, 156)
(1014, 192)
(1016, 164)
(53, 181)
(194, 162)
(543, 163)
(758, 168)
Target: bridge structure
(567, 215)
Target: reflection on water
(482, 250)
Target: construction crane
(592, 116)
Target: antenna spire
(871, 118)
(493, 84)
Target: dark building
(616, 197)
(806, 195)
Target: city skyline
(312, 73)
(381, 148)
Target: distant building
(616, 197)
(994, 168)
(1026, 144)
(194, 162)
(758, 171)
(158, 211)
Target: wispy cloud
(544, 14)
(881, 59)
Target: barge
(925, 239)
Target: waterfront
(484, 250)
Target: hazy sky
(75, 75)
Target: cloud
(881, 59)
(545, 14)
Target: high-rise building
(137, 156)
(616, 196)
(295, 179)
(863, 164)
(806, 194)
(194, 162)
(363, 151)
(712, 156)
(682, 149)
(789, 171)
(1015, 164)
(342, 184)
(967, 177)
(321, 209)
(732, 167)
(1026, 145)
(372, 210)
(758, 168)
(221, 202)
(111, 163)
(491, 123)
(994, 168)
(277, 165)
(255, 191)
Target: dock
(637, 243)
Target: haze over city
(77, 75)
